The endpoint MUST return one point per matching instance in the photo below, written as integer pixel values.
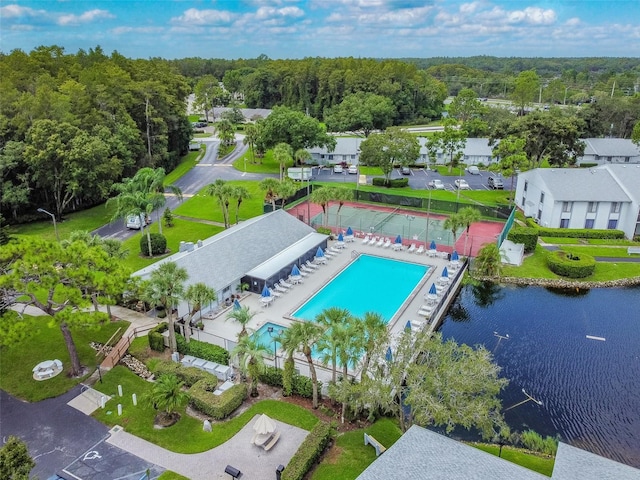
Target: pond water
(589, 387)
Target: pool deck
(279, 311)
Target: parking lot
(419, 178)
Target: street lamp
(410, 218)
(53, 217)
(426, 240)
(528, 399)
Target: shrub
(572, 266)
(393, 183)
(158, 245)
(579, 233)
(309, 452)
(303, 386)
(534, 441)
(216, 406)
(167, 216)
(271, 376)
(189, 375)
(526, 235)
(156, 340)
(323, 230)
(204, 350)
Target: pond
(576, 351)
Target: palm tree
(243, 316)
(322, 196)
(286, 189)
(302, 156)
(167, 395)
(488, 262)
(373, 333)
(334, 321)
(350, 351)
(199, 294)
(304, 336)
(151, 181)
(288, 345)
(251, 134)
(240, 193)
(453, 223)
(282, 154)
(251, 359)
(225, 131)
(166, 288)
(270, 185)
(468, 215)
(222, 192)
(128, 203)
(342, 195)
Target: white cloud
(143, 30)
(85, 17)
(17, 11)
(532, 16)
(193, 16)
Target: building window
(566, 206)
(564, 223)
(592, 207)
(626, 159)
(523, 199)
(615, 207)
(613, 224)
(330, 157)
(588, 223)
(539, 214)
(526, 185)
(541, 197)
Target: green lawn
(349, 456)
(169, 475)
(189, 161)
(535, 266)
(595, 251)
(531, 461)
(265, 164)
(182, 230)
(186, 436)
(205, 207)
(45, 342)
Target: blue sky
(326, 28)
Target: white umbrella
(264, 425)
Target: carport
(279, 266)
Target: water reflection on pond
(590, 389)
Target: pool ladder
(355, 254)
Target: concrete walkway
(252, 461)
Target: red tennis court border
(480, 233)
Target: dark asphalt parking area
(59, 436)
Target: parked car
(337, 168)
(462, 184)
(136, 222)
(405, 171)
(436, 184)
(353, 169)
(473, 170)
(495, 182)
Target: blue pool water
(369, 284)
(262, 334)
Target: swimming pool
(263, 337)
(369, 284)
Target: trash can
(279, 471)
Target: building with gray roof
(267, 246)
(605, 197)
(609, 151)
(421, 454)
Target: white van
(473, 170)
(135, 222)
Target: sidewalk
(252, 461)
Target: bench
(272, 442)
(631, 250)
(233, 471)
(369, 440)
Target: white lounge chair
(380, 242)
(387, 243)
(284, 283)
(305, 269)
(274, 293)
(335, 249)
(412, 248)
(311, 265)
(420, 249)
(366, 240)
(280, 288)
(425, 313)
(321, 260)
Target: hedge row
(309, 452)
(575, 232)
(189, 375)
(392, 183)
(156, 340)
(204, 350)
(216, 406)
(526, 235)
(569, 265)
(301, 386)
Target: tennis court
(413, 226)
